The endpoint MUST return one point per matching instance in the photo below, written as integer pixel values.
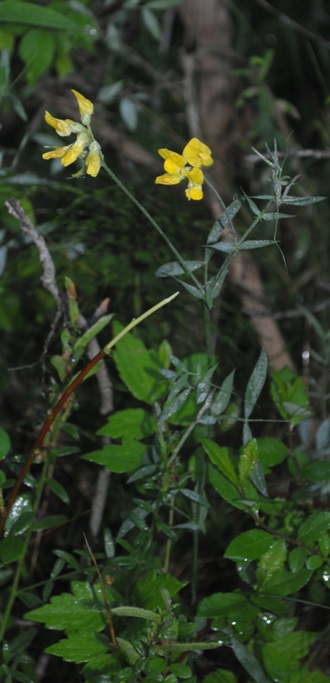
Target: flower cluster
(84, 146)
(186, 165)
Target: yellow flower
(197, 154)
(84, 146)
(174, 166)
(93, 159)
(86, 107)
(63, 127)
(196, 179)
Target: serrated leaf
(138, 367)
(79, 648)
(121, 458)
(72, 612)
(133, 423)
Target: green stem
(155, 225)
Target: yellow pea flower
(194, 189)
(63, 127)
(197, 154)
(86, 107)
(93, 159)
(174, 166)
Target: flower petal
(74, 150)
(57, 153)
(93, 160)
(62, 127)
(86, 107)
(168, 179)
(197, 154)
(194, 192)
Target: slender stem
(155, 225)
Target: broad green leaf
(271, 452)
(16, 12)
(36, 49)
(49, 522)
(316, 471)
(133, 423)
(59, 490)
(148, 591)
(271, 562)
(76, 611)
(284, 583)
(138, 368)
(79, 647)
(297, 558)
(173, 268)
(4, 444)
(250, 545)
(119, 458)
(310, 531)
(219, 456)
(247, 460)
(11, 549)
(225, 488)
(284, 655)
(221, 604)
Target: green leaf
(170, 408)
(127, 649)
(119, 458)
(49, 522)
(151, 23)
(256, 244)
(148, 591)
(220, 604)
(248, 661)
(301, 201)
(131, 424)
(316, 471)
(36, 49)
(4, 444)
(11, 549)
(255, 384)
(59, 490)
(225, 219)
(271, 562)
(310, 531)
(136, 613)
(222, 398)
(220, 458)
(173, 268)
(271, 452)
(16, 12)
(225, 488)
(284, 583)
(250, 545)
(297, 558)
(247, 460)
(73, 612)
(79, 647)
(138, 368)
(92, 332)
(284, 655)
